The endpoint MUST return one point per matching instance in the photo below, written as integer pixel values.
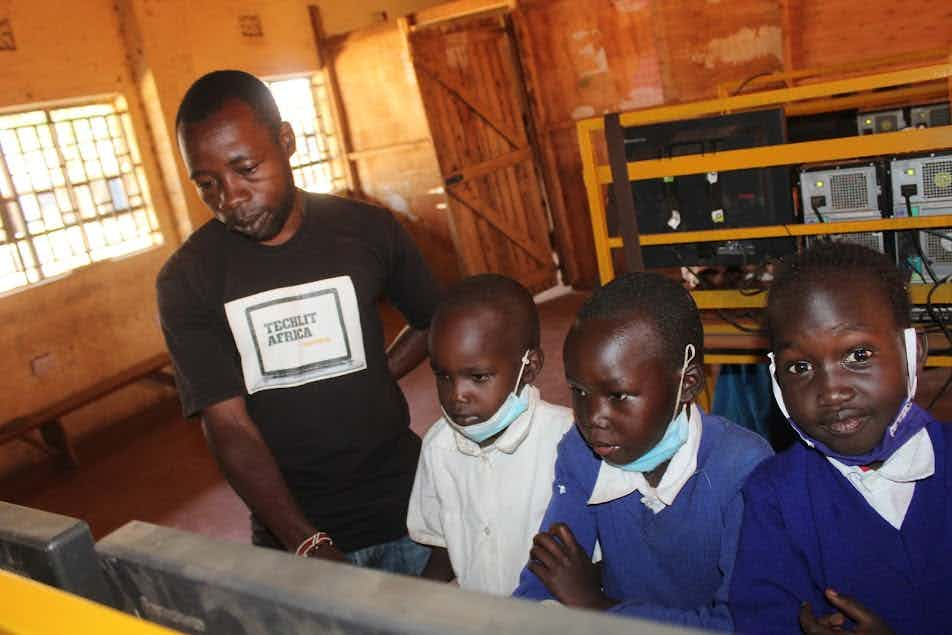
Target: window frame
(326, 117)
(122, 175)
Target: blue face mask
(509, 411)
(674, 436)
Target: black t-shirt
(295, 328)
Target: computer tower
(926, 182)
(882, 121)
(845, 192)
(929, 116)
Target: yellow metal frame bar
(928, 92)
(724, 89)
(933, 361)
(778, 96)
(30, 607)
(815, 95)
(887, 143)
(787, 231)
(737, 300)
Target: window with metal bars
(304, 102)
(72, 191)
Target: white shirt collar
(889, 490)
(913, 461)
(614, 483)
(511, 437)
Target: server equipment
(739, 198)
(882, 121)
(922, 186)
(845, 192)
(929, 116)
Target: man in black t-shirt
(270, 315)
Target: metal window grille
(304, 103)
(72, 191)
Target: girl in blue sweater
(644, 474)
(852, 528)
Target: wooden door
(474, 96)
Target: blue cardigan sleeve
(771, 575)
(569, 505)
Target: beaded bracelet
(312, 543)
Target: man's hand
(867, 622)
(328, 551)
(566, 570)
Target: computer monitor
(53, 549)
(198, 585)
(738, 198)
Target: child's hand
(867, 622)
(566, 570)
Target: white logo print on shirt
(295, 335)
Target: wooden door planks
(472, 92)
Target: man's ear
(693, 382)
(534, 367)
(286, 139)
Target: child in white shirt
(485, 474)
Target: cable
(700, 282)
(906, 195)
(937, 233)
(744, 83)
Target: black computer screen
(739, 198)
(52, 549)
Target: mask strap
(912, 378)
(912, 367)
(525, 362)
(689, 353)
(777, 393)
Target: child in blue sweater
(852, 528)
(644, 474)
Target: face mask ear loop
(912, 366)
(912, 378)
(522, 368)
(689, 353)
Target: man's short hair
(667, 304)
(843, 261)
(499, 293)
(212, 91)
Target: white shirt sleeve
(423, 514)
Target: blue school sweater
(806, 528)
(673, 566)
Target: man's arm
(251, 470)
(407, 351)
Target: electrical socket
(43, 364)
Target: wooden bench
(48, 420)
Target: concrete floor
(155, 467)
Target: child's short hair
(798, 272)
(665, 302)
(505, 295)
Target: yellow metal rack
(893, 87)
